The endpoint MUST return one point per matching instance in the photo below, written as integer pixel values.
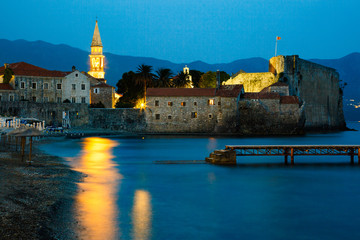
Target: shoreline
(37, 200)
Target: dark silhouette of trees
(162, 78)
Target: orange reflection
(141, 215)
(96, 200)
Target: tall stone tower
(96, 56)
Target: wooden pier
(225, 156)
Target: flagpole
(276, 46)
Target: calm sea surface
(128, 195)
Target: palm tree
(162, 77)
(144, 78)
(181, 80)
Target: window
(46, 86)
(73, 99)
(83, 100)
(73, 86)
(59, 99)
(96, 90)
(169, 117)
(170, 104)
(157, 116)
(58, 86)
(211, 102)
(76, 74)
(195, 103)
(22, 85)
(34, 99)
(0, 98)
(33, 85)
(156, 103)
(22, 98)
(183, 104)
(11, 98)
(46, 99)
(219, 103)
(210, 116)
(194, 115)
(82, 86)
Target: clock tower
(96, 56)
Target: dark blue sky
(187, 30)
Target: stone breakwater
(36, 200)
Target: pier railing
(287, 151)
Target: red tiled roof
(262, 95)
(279, 84)
(180, 92)
(289, 100)
(102, 84)
(229, 90)
(26, 69)
(6, 86)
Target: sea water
(132, 192)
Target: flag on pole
(278, 38)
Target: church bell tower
(96, 56)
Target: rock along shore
(36, 202)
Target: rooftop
(26, 69)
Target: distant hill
(63, 57)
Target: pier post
(286, 155)
(352, 156)
(292, 156)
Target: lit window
(211, 102)
(22, 85)
(73, 86)
(157, 116)
(156, 103)
(58, 86)
(194, 115)
(34, 85)
(170, 104)
(46, 86)
(82, 86)
(183, 104)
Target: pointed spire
(96, 41)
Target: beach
(37, 200)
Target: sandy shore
(36, 202)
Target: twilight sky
(214, 31)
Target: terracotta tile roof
(229, 90)
(6, 86)
(102, 85)
(26, 69)
(289, 100)
(279, 84)
(262, 95)
(180, 92)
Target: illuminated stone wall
(317, 86)
(197, 116)
(253, 82)
(106, 95)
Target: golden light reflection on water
(141, 215)
(96, 200)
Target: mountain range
(62, 57)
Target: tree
(162, 78)
(127, 86)
(208, 79)
(180, 80)
(8, 73)
(196, 76)
(144, 76)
